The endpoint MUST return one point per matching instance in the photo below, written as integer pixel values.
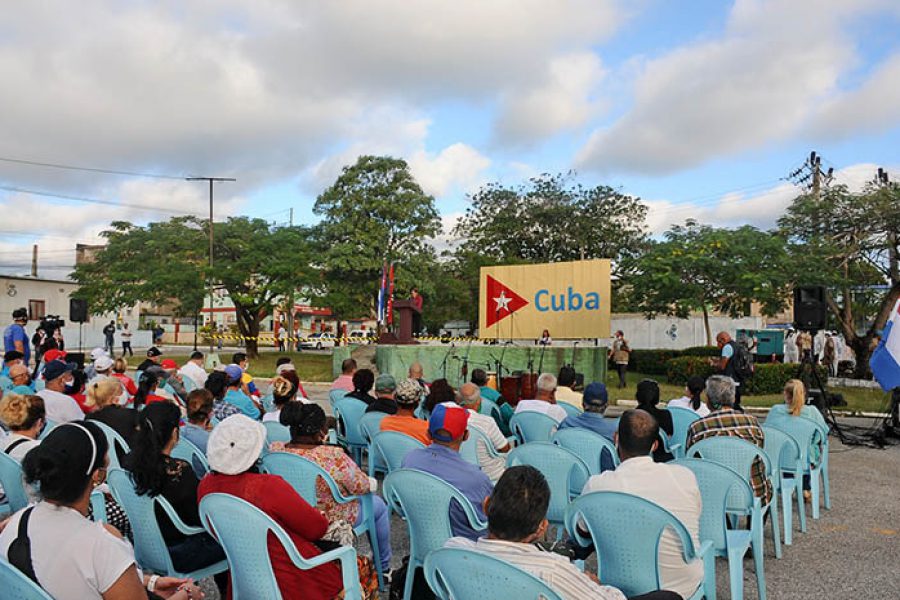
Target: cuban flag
(885, 360)
(379, 310)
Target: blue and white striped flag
(885, 360)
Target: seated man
(670, 486)
(595, 402)
(470, 398)
(447, 428)
(545, 399)
(516, 514)
(724, 419)
(417, 373)
(407, 395)
(480, 378)
(385, 386)
(564, 382)
(345, 379)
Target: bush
(767, 378)
(702, 351)
(679, 370)
(651, 362)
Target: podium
(407, 309)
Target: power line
(96, 201)
(35, 163)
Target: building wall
(677, 334)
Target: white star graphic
(502, 301)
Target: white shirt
(556, 412)
(73, 557)
(197, 373)
(685, 402)
(553, 569)
(569, 396)
(674, 488)
(20, 450)
(60, 408)
(492, 466)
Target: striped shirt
(553, 569)
(728, 421)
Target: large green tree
(700, 268)
(849, 242)
(167, 263)
(374, 213)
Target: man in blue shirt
(480, 378)
(15, 338)
(236, 396)
(447, 428)
(595, 402)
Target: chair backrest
(588, 445)
(12, 482)
(626, 530)
(564, 471)
(460, 573)
(783, 450)
(117, 444)
(243, 530)
(301, 474)
(47, 429)
(6, 383)
(532, 426)
(736, 453)
(392, 446)
(681, 422)
(719, 486)
(349, 412)
(335, 395)
(150, 549)
(469, 448)
(806, 432)
(189, 384)
(490, 408)
(571, 409)
(370, 424)
(276, 432)
(187, 451)
(423, 500)
(16, 584)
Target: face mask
(70, 388)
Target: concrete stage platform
(590, 360)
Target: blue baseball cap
(233, 373)
(595, 395)
(57, 368)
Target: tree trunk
(248, 326)
(706, 325)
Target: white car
(318, 341)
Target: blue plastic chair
(564, 471)
(722, 489)
(334, 396)
(491, 409)
(810, 435)
(12, 482)
(571, 409)
(681, 422)
(47, 429)
(243, 530)
(390, 447)
(739, 454)
(532, 426)
(98, 506)
(150, 549)
(477, 439)
(6, 383)
(349, 412)
(460, 573)
(784, 452)
(588, 445)
(187, 451)
(302, 475)
(369, 425)
(117, 444)
(276, 432)
(16, 584)
(423, 501)
(625, 530)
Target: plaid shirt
(728, 421)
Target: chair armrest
(176, 520)
(705, 548)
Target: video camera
(50, 323)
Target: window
(36, 310)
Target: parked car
(318, 341)
(361, 336)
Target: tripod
(806, 361)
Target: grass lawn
(858, 399)
(310, 367)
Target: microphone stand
(465, 364)
(446, 358)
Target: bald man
(469, 397)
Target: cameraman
(14, 337)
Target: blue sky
(700, 108)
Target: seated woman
(234, 447)
(647, 396)
(795, 406)
(156, 473)
(71, 557)
(199, 412)
(285, 368)
(309, 430)
(692, 399)
(283, 391)
(25, 418)
(217, 385)
(119, 369)
(439, 392)
(103, 400)
(76, 390)
(363, 381)
(146, 393)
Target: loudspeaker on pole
(810, 308)
(78, 310)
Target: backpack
(741, 362)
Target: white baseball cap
(235, 444)
(103, 363)
(97, 353)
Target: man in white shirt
(545, 399)
(670, 486)
(193, 368)
(492, 466)
(60, 408)
(564, 392)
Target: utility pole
(290, 334)
(811, 176)
(211, 181)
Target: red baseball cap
(452, 420)
(54, 354)
(169, 364)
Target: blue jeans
(382, 530)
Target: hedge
(767, 378)
(653, 362)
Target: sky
(699, 108)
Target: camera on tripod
(50, 323)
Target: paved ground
(850, 553)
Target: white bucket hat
(235, 444)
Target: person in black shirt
(152, 360)
(647, 397)
(363, 380)
(103, 397)
(385, 385)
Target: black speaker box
(78, 310)
(810, 309)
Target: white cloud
(458, 166)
